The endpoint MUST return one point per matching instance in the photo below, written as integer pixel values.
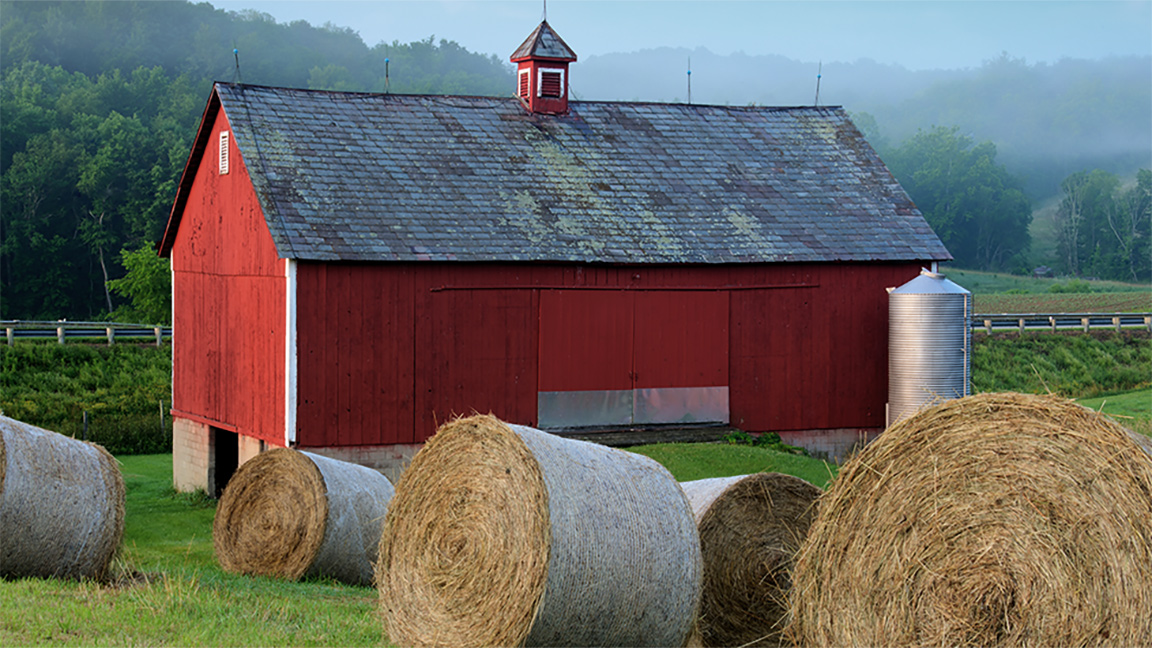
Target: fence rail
(1053, 322)
(987, 322)
(64, 330)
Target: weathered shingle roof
(400, 177)
(544, 42)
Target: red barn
(349, 269)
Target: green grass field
(1131, 409)
(691, 461)
(168, 590)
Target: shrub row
(125, 389)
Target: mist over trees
(99, 103)
(976, 207)
(1046, 120)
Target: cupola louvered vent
(523, 85)
(551, 83)
(224, 148)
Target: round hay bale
(751, 527)
(991, 520)
(62, 509)
(503, 535)
(293, 514)
(3, 467)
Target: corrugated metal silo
(929, 343)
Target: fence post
(1116, 322)
(1084, 321)
(60, 334)
(111, 335)
(159, 335)
(1021, 326)
(1052, 321)
(1147, 322)
(11, 336)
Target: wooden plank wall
(387, 352)
(229, 311)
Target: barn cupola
(542, 73)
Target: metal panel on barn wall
(623, 357)
(585, 358)
(681, 357)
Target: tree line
(982, 213)
(100, 102)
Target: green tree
(1131, 223)
(147, 285)
(976, 207)
(1104, 229)
(99, 102)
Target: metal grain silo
(929, 343)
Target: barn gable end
(231, 307)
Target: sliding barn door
(612, 358)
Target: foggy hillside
(1047, 121)
(739, 79)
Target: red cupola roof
(542, 75)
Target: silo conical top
(930, 283)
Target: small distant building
(352, 269)
(1042, 272)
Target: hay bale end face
(751, 527)
(502, 535)
(293, 514)
(62, 505)
(991, 520)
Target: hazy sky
(917, 34)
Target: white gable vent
(224, 152)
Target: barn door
(629, 357)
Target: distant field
(1005, 293)
(982, 283)
(1111, 302)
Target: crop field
(1113, 302)
(984, 283)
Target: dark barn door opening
(223, 460)
(632, 357)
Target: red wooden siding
(682, 339)
(586, 340)
(388, 351)
(599, 339)
(229, 317)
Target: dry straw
(62, 505)
(502, 535)
(751, 527)
(297, 514)
(992, 520)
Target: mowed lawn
(169, 591)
